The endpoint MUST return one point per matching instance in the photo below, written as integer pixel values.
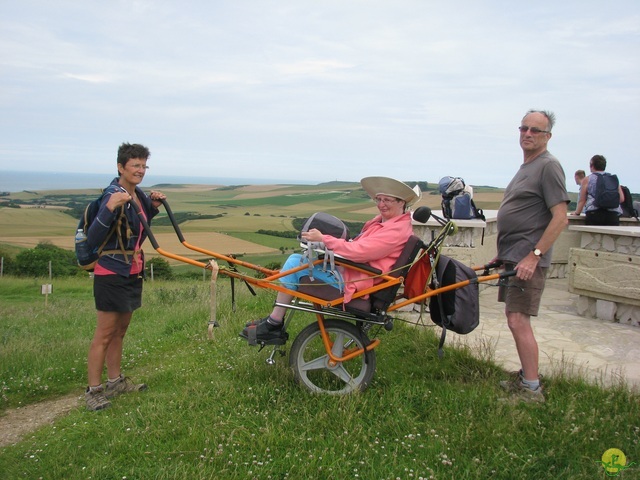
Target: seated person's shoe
(264, 332)
(256, 322)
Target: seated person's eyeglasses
(386, 201)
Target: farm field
(224, 219)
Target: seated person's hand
(313, 235)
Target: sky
(318, 90)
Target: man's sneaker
(96, 399)
(527, 395)
(123, 385)
(516, 386)
(515, 379)
(264, 331)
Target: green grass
(214, 409)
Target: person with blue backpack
(117, 284)
(600, 195)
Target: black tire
(310, 363)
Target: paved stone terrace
(601, 351)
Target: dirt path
(19, 422)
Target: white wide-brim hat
(393, 188)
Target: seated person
(379, 244)
(579, 177)
(595, 215)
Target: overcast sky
(318, 90)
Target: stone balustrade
(475, 242)
(604, 270)
(602, 264)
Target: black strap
(253, 292)
(443, 336)
(252, 338)
(443, 321)
(233, 295)
(233, 268)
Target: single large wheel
(313, 369)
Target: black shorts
(114, 293)
(523, 296)
(602, 217)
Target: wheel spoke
(315, 364)
(343, 375)
(338, 345)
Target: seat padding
(381, 299)
(327, 292)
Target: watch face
(537, 252)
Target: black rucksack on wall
(628, 208)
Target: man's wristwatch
(537, 252)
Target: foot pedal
(281, 340)
(252, 340)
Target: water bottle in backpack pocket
(86, 255)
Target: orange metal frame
(271, 276)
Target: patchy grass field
(215, 409)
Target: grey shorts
(114, 293)
(522, 296)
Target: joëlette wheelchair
(336, 353)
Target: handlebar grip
(510, 273)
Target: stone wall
(605, 271)
(475, 242)
(602, 264)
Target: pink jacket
(379, 245)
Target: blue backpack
(607, 194)
(457, 202)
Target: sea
(15, 181)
